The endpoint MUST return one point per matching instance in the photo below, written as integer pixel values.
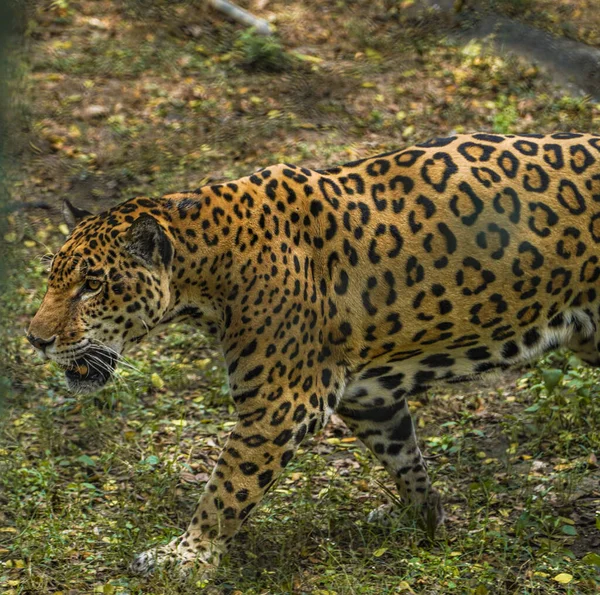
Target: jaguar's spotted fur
(345, 290)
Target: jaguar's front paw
(430, 513)
(386, 515)
(178, 555)
(146, 562)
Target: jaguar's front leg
(260, 446)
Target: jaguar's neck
(222, 236)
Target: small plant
(60, 6)
(506, 117)
(565, 402)
(259, 52)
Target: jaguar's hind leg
(379, 416)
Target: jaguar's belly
(394, 375)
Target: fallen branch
(242, 16)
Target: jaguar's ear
(72, 214)
(147, 242)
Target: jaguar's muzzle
(91, 370)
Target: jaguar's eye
(92, 284)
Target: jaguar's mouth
(90, 371)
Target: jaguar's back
(462, 254)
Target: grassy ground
(113, 105)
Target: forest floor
(118, 99)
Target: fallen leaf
(592, 559)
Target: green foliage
(60, 5)
(261, 52)
(566, 405)
(506, 116)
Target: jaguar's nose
(40, 343)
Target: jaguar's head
(108, 287)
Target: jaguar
(344, 290)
